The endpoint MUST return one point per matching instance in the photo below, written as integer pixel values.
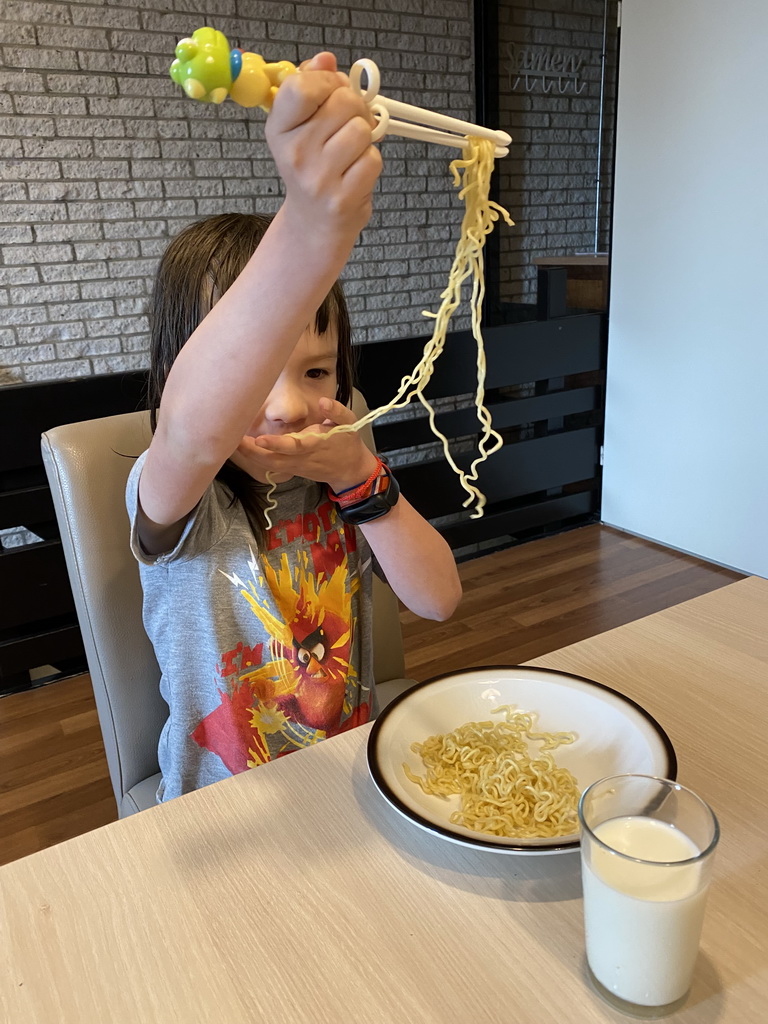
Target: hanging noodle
(479, 219)
(504, 790)
(271, 504)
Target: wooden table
(224, 907)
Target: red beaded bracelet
(352, 495)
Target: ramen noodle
(472, 174)
(504, 789)
(269, 499)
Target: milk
(642, 921)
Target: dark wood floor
(523, 602)
(518, 604)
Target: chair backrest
(87, 465)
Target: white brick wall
(102, 159)
(548, 180)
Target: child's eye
(317, 373)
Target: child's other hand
(319, 131)
(341, 461)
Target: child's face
(308, 375)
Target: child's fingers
(301, 443)
(299, 98)
(281, 444)
(342, 107)
(336, 412)
(345, 104)
(348, 147)
(361, 176)
(350, 142)
(315, 153)
(323, 61)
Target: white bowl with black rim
(614, 736)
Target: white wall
(686, 440)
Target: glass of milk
(647, 847)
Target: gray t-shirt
(261, 652)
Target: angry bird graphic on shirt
(300, 686)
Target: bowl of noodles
(496, 758)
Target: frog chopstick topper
(209, 71)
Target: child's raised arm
(320, 136)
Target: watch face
(373, 508)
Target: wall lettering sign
(545, 69)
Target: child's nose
(286, 404)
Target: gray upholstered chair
(87, 479)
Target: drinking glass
(647, 847)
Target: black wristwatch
(373, 507)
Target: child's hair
(198, 266)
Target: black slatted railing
(545, 382)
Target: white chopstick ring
(418, 123)
(370, 92)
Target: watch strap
(375, 505)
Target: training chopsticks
(209, 70)
(417, 122)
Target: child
(263, 634)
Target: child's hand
(319, 132)
(341, 461)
